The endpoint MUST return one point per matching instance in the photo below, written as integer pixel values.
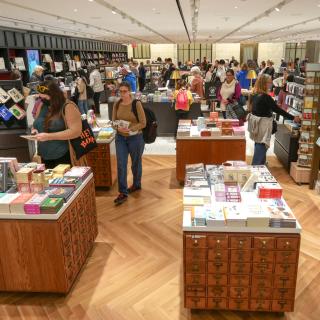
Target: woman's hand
(43, 136)
(34, 131)
(297, 119)
(123, 130)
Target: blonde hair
(261, 85)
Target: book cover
(15, 95)
(51, 205)
(66, 182)
(5, 114)
(59, 192)
(78, 172)
(17, 205)
(61, 168)
(6, 200)
(17, 111)
(32, 206)
(4, 96)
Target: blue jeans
(260, 152)
(83, 106)
(133, 145)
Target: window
(194, 51)
(295, 50)
(142, 51)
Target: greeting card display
(17, 111)
(15, 95)
(4, 96)
(5, 114)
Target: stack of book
(17, 205)
(235, 215)
(232, 192)
(78, 172)
(184, 128)
(32, 206)
(51, 205)
(5, 201)
(59, 192)
(74, 183)
(269, 190)
(219, 191)
(215, 174)
(60, 170)
(216, 218)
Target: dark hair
(125, 84)
(83, 75)
(208, 67)
(290, 78)
(57, 102)
(230, 71)
(180, 84)
(222, 61)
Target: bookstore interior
(218, 106)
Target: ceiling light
(75, 10)
(236, 7)
(277, 9)
(196, 9)
(153, 9)
(318, 5)
(113, 12)
(90, 0)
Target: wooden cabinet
(47, 255)
(103, 163)
(240, 271)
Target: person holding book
(57, 121)
(129, 140)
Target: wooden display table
(240, 268)
(44, 253)
(207, 150)
(103, 162)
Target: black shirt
(263, 106)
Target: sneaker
(133, 189)
(121, 198)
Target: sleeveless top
(53, 149)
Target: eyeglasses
(123, 91)
(229, 75)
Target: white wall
(272, 51)
(158, 50)
(225, 51)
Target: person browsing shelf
(129, 141)
(260, 121)
(49, 125)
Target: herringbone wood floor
(135, 269)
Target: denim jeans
(83, 106)
(133, 145)
(260, 152)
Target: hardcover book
(74, 183)
(33, 205)
(51, 205)
(17, 111)
(6, 200)
(60, 192)
(17, 205)
(4, 96)
(78, 172)
(15, 95)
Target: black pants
(142, 83)
(180, 114)
(50, 164)
(96, 99)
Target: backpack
(149, 132)
(182, 102)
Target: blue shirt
(131, 79)
(242, 78)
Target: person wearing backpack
(183, 100)
(129, 141)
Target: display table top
(211, 138)
(48, 216)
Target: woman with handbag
(129, 140)
(229, 92)
(260, 121)
(56, 122)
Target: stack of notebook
(51, 205)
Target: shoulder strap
(134, 108)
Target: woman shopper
(82, 88)
(197, 82)
(260, 121)
(129, 141)
(242, 77)
(97, 86)
(142, 76)
(229, 92)
(50, 124)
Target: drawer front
(238, 242)
(264, 243)
(262, 268)
(260, 305)
(217, 279)
(287, 243)
(196, 267)
(240, 268)
(217, 291)
(196, 254)
(285, 268)
(262, 281)
(283, 294)
(218, 242)
(217, 303)
(238, 304)
(196, 241)
(239, 281)
(263, 255)
(217, 255)
(286, 256)
(239, 292)
(284, 281)
(196, 279)
(240, 255)
(195, 291)
(261, 293)
(282, 305)
(217, 267)
(195, 303)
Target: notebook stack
(60, 170)
(184, 128)
(235, 215)
(232, 192)
(216, 217)
(59, 192)
(6, 200)
(17, 205)
(269, 190)
(32, 206)
(78, 172)
(74, 183)
(51, 205)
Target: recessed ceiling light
(75, 10)
(196, 9)
(113, 12)
(153, 9)
(277, 9)
(90, 0)
(236, 7)
(318, 5)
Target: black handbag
(274, 126)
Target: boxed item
(51, 205)
(36, 187)
(38, 176)
(6, 200)
(24, 187)
(24, 175)
(269, 190)
(61, 169)
(32, 206)
(17, 205)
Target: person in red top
(197, 82)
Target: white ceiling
(154, 21)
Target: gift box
(226, 131)
(38, 176)
(17, 205)
(61, 169)
(24, 175)
(269, 190)
(6, 200)
(24, 187)
(239, 131)
(36, 187)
